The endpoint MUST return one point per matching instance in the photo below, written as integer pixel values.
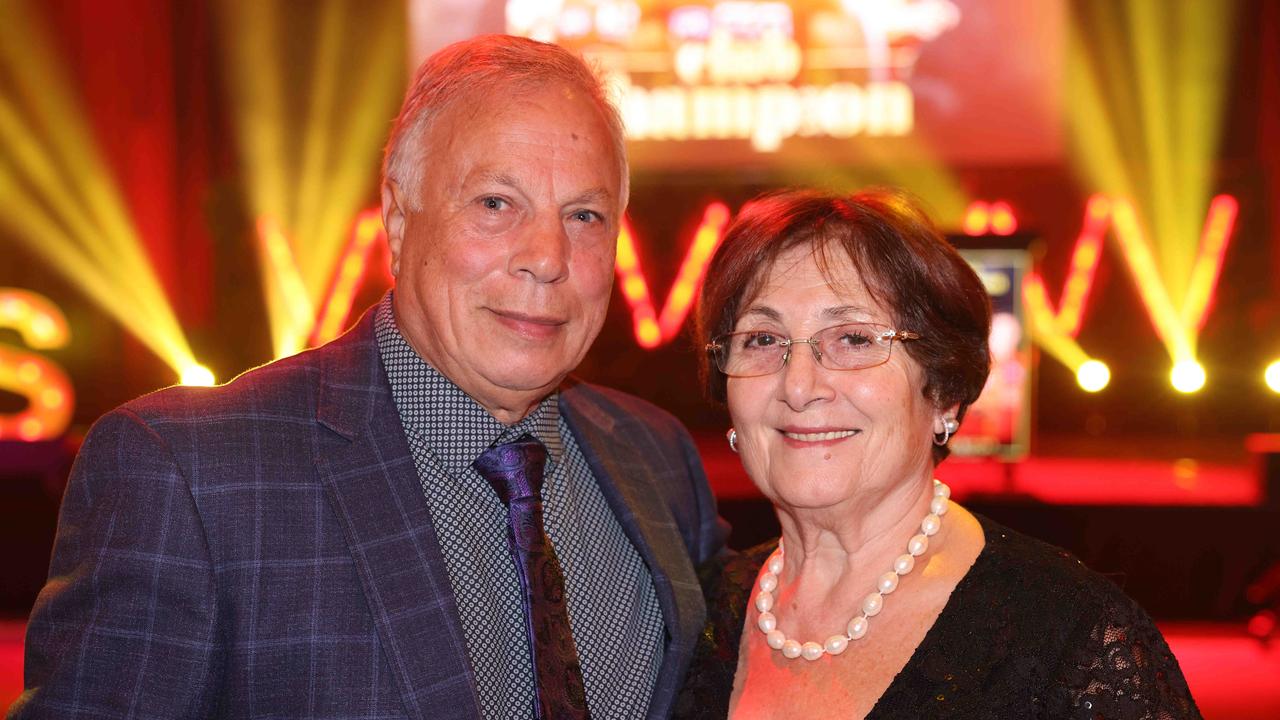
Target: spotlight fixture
(1272, 376)
(196, 375)
(1093, 375)
(1187, 376)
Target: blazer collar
(629, 485)
(371, 481)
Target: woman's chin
(815, 494)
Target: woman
(847, 338)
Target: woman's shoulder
(1101, 648)
(1031, 568)
(726, 585)
(727, 581)
(1034, 600)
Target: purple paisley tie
(515, 472)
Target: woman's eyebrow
(844, 312)
(764, 311)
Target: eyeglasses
(852, 346)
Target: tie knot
(514, 469)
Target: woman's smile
(816, 437)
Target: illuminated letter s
(41, 381)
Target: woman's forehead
(805, 271)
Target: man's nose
(543, 251)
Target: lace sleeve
(1119, 667)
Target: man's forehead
(512, 99)
(523, 121)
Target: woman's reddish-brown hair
(905, 264)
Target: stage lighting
(705, 241)
(977, 218)
(311, 88)
(1003, 221)
(1147, 84)
(196, 375)
(651, 328)
(1093, 375)
(367, 235)
(1187, 376)
(1272, 376)
(61, 198)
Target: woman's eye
(755, 340)
(853, 339)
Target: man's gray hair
(488, 66)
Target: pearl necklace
(871, 604)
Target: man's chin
(522, 378)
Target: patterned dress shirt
(613, 609)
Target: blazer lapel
(372, 483)
(629, 486)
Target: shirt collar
(452, 424)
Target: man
(327, 536)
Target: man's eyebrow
(499, 179)
(596, 195)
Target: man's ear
(393, 219)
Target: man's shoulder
(285, 387)
(587, 398)
(288, 388)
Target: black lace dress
(1029, 632)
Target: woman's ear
(947, 421)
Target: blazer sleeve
(126, 625)
(712, 530)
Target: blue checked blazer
(264, 550)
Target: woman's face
(810, 437)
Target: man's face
(503, 275)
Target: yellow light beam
(1045, 329)
(371, 87)
(1163, 188)
(355, 262)
(32, 169)
(292, 313)
(34, 228)
(317, 139)
(1146, 80)
(1218, 227)
(310, 115)
(250, 41)
(1095, 129)
(61, 199)
(44, 90)
(1155, 297)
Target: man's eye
(587, 216)
(493, 203)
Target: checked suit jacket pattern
(264, 550)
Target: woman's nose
(804, 380)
